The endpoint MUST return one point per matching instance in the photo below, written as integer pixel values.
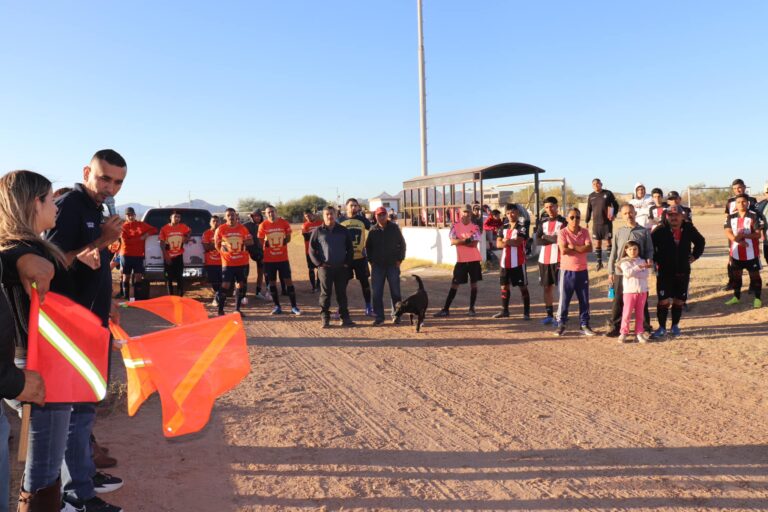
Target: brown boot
(44, 500)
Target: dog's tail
(421, 285)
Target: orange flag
(190, 366)
(174, 309)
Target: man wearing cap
(465, 236)
(385, 247)
(601, 209)
(631, 231)
(676, 244)
(132, 237)
(674, 199)
(743, 229)
(643, 203)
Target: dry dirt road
(471, 414)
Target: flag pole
(24, 433)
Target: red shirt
(212, 257)
(173, 236)
(274, 235)
(232, 240)
(131, 237)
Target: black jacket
(672, 258)
(331, 247)
(385, 246)
(255, 251)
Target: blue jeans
(379, 273)
(60, 441)
(5, 469)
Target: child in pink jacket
(635, 280)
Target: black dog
(416, 304)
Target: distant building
(385, 200)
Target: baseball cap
(380, 210)
(673, 195)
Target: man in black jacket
(385, 247)
(330, 248)
(676, 244)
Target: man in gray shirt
(633, 231)
(330, 249)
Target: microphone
(110, 202)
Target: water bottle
(611, 292)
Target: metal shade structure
(430, 201)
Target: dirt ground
(472, 413)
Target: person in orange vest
(132, 238)
(212, 258)
(232, 240)
(173, 237)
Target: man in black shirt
(601, 209)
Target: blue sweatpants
(573, 281)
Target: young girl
(635, 281)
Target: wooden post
(26, 410)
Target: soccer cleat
(442, 313)
(732, 301)
(757, 303)
(659, 333)
(560, 330)
(548, 320)
(504, 313)
(586, 331)
(277, 310)
(369, 310)
(675, 331)
(104, 482)
(295, 311)
(471, 312)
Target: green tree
(294, 209)
(249, 204)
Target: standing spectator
(549, 256)
(275, 234)
(643, 203)
(601, 209)
(256, 251)
(511, 240)
(674, 199)
(232, 240)
(212, 258)
(634, 272)
(83, 233)
(492, 227)
(477, 215)
(676, 244)
(385, 247)
(173, 237)
(743, 229)
(358, 227)
(739, 188)
(392, 215)
(656, 211)
(631, 231)
(465, 236)
(332, 251)
(575, 244)
(311, 223)
(132, 237)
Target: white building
(385, 200)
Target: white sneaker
(643, 338)
(244, 301)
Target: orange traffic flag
(174, 309)
(190, 366)
(140, 385)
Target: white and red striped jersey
(550, 253)
(655, 215)
(748, 224)
(512, 256)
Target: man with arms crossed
(574, 244)
(173, 236)
(743, 229)
(511, 240)
(549, 256)
(232, 240)
(676, 244)
(601, 208)
(275, 234)
(465, 236)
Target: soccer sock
(292, 295)
(238, 301)
(661, 314)
(737, 293)
(312, 278)
(366, 292)
(599, 254)
(526, 301)
(505, 299)
(550, 311)
(472, 298)
(169, 287)
(122, 288)
(273, 292)
(221, 298)
(677, 312)
(127, 290)
(449, 298)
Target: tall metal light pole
(422, 96)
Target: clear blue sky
(276, 99)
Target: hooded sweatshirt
(642, 206)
